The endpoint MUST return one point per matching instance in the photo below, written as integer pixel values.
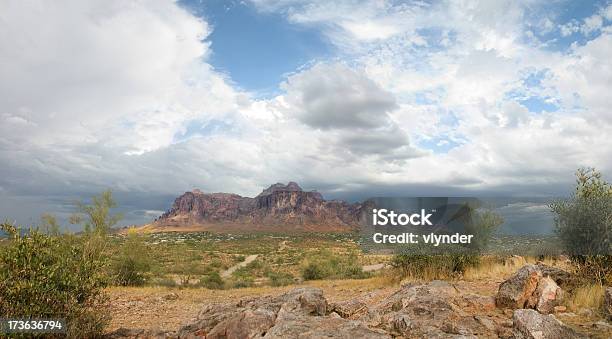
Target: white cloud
(334, 96)
(82, 69)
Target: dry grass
(492, 268)
(497, 269)
(588, 296)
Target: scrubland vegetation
(44, 273)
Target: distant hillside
(278, 208)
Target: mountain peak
(280, 187)
(280, 207)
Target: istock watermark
(447, 225)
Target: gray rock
(349, 308)
(323, 327)
(299, 313)
(426, 311)
(563, 278)
(529, 324)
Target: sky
(351, 98)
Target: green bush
(584, 224)
(280, 278)
(242, 282)
(433, 266)
(187, 264)
(242, 277)
(325, 265)
(44, 276)
(212, 281)
(132, 262)
(315, 271)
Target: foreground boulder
(532, 286)
(529, 324)
(300, 313)
(547, 295)
(434, 310)
(519, 288)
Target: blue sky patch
(539, 105)
(256, 49)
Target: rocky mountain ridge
(277, 208)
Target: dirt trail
(232, 269)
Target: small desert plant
(241, 279)
(212, 281)
(187, 264)
(278, 278)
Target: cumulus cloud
(330, 96)
(81, 70)
(100, 94)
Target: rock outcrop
(279, 206)
(436, 309)
(300, 313)
(532, 286)
(529, 324)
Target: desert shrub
(278, 278)
(315, 271)
(242, 277)
(547, 250)
(326, 265)
(132, 262)
(186, 263)
(44, 276)
(96, 217)
(583, 222)
(216, 263)
(480, 223)
(255, 265)
(433, 266)
(212, 281)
